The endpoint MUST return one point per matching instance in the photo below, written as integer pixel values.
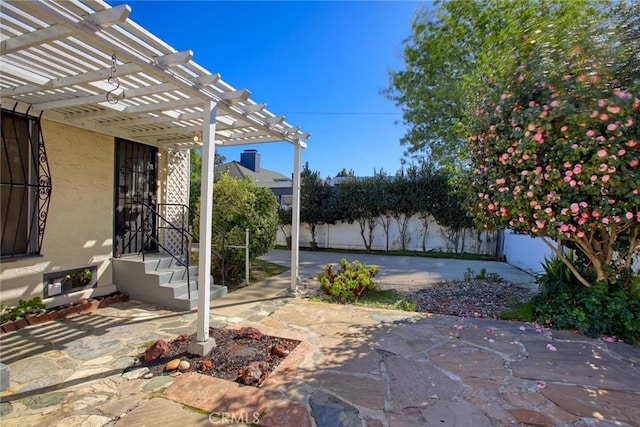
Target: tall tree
(357, 203)
(461, 49)
(317, 201)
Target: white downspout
(295, 219)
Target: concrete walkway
(402, 270)
(354, 367)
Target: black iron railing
(153, 221)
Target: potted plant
(80, 278)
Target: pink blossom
(567, 164)
(634, 163)
(602, 153)
(572, 183)
(622, 152)
(612, 126)
(580, 234)
(605, 220)
(594, 177)
(531, 103)
(605, 178)
(604, 117)
(611, 169)
(564, 128)
(583, 204)
(575, 208)
(577, 169)
(529, 194)
(591, 133)
(630, 143)
(538, 137)
(594, 114)
(602, 102)
(595, 214)
(603, 167)
(491, 206)
(564, 211)
(629, 215)
(613, 109)
(612, 201)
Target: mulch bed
(245, 356)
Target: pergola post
(295, 219)
(202, 345)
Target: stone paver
(354, 367)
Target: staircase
(160, 280)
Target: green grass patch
(523, 312)
(385, 299)
(261, 270)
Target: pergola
(86, 64)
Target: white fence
(343, 235)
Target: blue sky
(320, 64)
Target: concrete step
(159, 280)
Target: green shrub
(601, 309)
(23, 308)
(349, 282)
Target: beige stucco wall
(80, 222)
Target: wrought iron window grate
(25, 184)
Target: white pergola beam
(78, 79)
(174, 58)
(235, 96)
(254, 108)
(102, 19)
(274, 120)
(96, 99)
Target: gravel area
(476, 298)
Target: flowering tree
(558, 158)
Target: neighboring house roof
(264, 177)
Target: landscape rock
(254, 372)
(156, 350)
(279, 350)
(249, 332)
(184, 365)
(527, 416)
(172, 365)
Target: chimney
(250, 159)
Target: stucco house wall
(79, 228)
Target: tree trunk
(314, 244)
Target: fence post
(246, 256)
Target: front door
(135, 198)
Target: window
(25, 185)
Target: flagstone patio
(355, 367)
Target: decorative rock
(253, 373)
(172, 365)
(184, 365)
(156, 350)
(205, 365)
(279, 350)
(249, 332)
